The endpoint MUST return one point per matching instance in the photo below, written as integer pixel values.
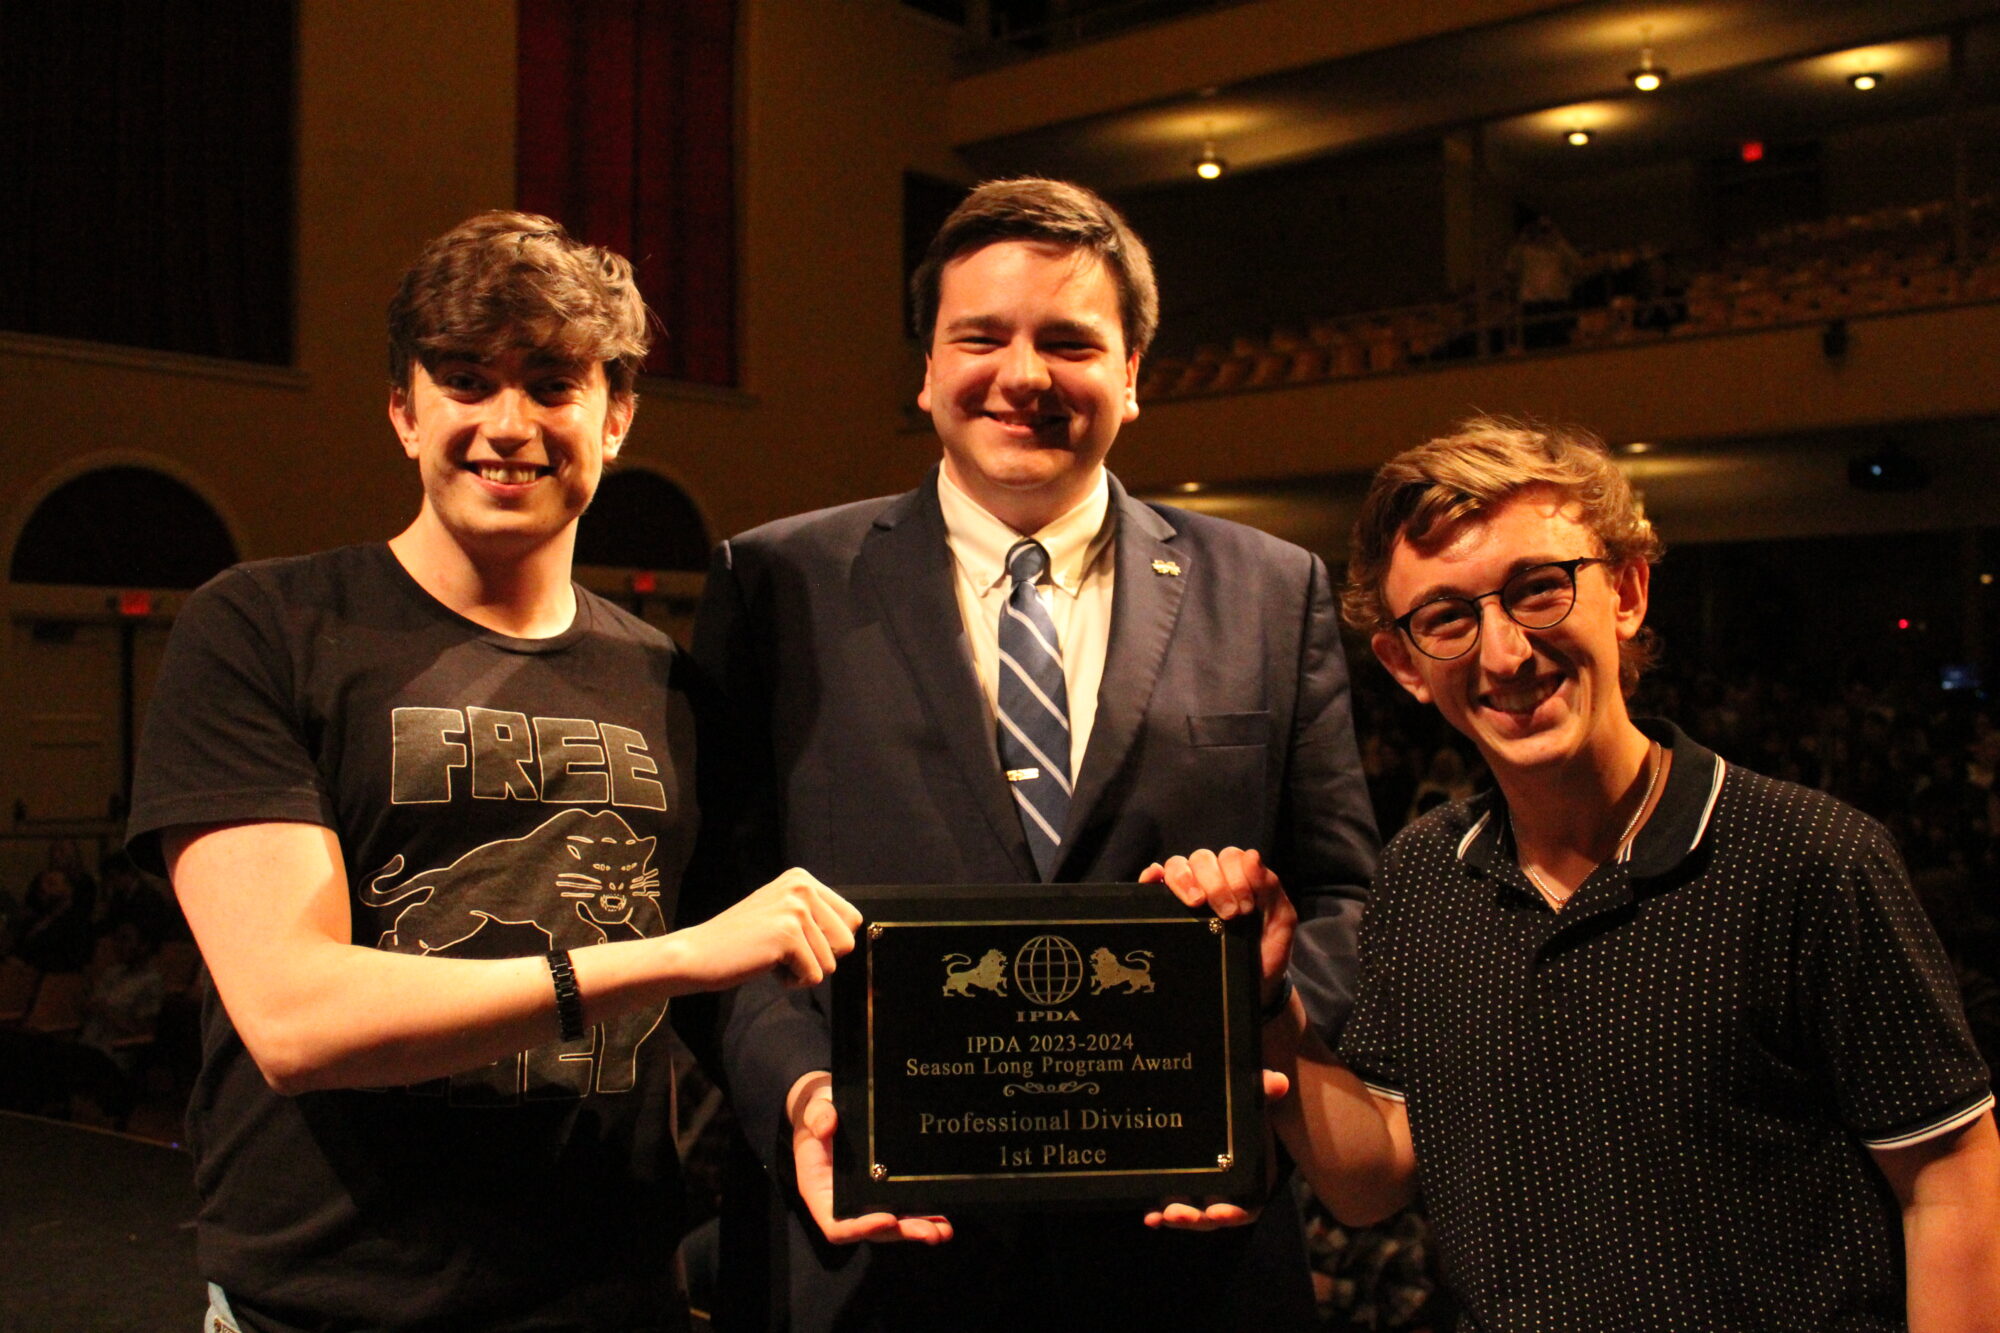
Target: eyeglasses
(1538, 597)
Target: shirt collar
(980, 542)
(1669, 836)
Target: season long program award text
(1046, 1046)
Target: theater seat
(1308, 365)
(1231, 374)
(58, 1006)
(1271, 368)
(18, 981)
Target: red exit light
(135, 604)
(645, 582)
(1753, 150)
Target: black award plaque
(1044, 1046)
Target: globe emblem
(1048, 969)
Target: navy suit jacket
(863, 750)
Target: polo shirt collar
(1678, 824)
(981, 542)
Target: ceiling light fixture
(1648, 77)
(1210, 165)
(1866, 81)
(1578, 137)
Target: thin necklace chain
(1631, 825)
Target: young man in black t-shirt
(1667, 1044)
(426, 805)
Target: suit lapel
(1145, 604)
(905, 564)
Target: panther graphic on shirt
(578, 878)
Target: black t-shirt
(494, 797)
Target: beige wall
(389, 153)
(406, 126)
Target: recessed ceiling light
(1648, 77)
(1648, 80)
(1210, 165)
(1190, 488)
(1638, 447)
(1578, 137)
(1866, 81)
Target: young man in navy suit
(1193, 698)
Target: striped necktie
(1034, 709)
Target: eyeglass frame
(1568, 567)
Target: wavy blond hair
(1424, 492)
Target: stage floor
(96, 1232)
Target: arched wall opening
(93, 574)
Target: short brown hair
(506, 280)
(1422, 493)
(1034, 209)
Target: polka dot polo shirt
(1652, 1110)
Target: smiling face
(1529, 699)
(510, 449)
(1028, 379)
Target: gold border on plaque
(877, 928)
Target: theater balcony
(1776, 253)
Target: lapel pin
(1167, 567)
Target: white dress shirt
(1076, 591)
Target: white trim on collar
(1472, 834)
(1625, 853)
(1708, 810)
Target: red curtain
(626, 136)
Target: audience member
(55, 935)
(120, 1015)
(1544, 267)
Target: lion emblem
(962, 976)
(1133, 974)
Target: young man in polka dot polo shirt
(1666, 1044)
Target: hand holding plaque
(814, 1120)
(1229, 883)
